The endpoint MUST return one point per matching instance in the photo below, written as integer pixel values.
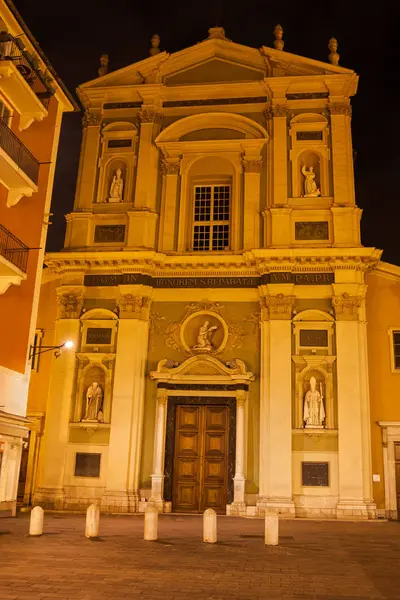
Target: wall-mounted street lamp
(36, 350)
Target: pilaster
(168, 219)
(86, 184)
(238, 506)
(276, 403)
(342, 151)
(251, 214)
(277, 113)
(122, 492)
(50, 492)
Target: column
(276, 403)
(157, 477)
(251, 212)
(169, 212)
(238, 507)
(88, 165)
(355, 472)
(124, 453)
(50, 492)
(10, 474)
(145, 216)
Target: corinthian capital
(149, 116)
(162, 396)
(170, 166)
(90, 119)
(134, 307)
(340, 108)
(276, 307)
(277, 110)
(252, 166)
(69, 302)
(346, 307)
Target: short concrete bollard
(210, 526)
(36, 522)
(92, 521)
(151, 524)
(271, 530)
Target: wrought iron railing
(13, 49)
(18, 152)
(13, 249)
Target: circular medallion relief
(204, 332)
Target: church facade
(225, 316)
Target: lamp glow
(69, 344)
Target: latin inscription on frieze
(315, 474)
(98, 335)
(109, 233)
(314, 338)
(311, 230)
(313, 278)
(202, 282)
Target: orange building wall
(383, 312)
(25, 220)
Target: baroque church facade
(214, 285)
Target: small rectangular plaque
(119, 143)
(109, 233)
(87, 464)
(98, 335)
(315, 474)
(308, 135)
(314, 337)
(312, 230)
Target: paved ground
(315, 560)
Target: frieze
(215, 101)
(307, 96)
(112, 280)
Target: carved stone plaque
(314, 337)
(109, 233)
(311, 230)
(315, 474)
(87, 464)
(308, 135)
(98, 335)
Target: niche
(309, 164)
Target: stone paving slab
(314, 561)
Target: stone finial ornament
(155, 45)
(278, 33)
(216, 33)
(333, 56)
(104, 60)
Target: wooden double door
(200, 470)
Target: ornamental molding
(346, 307)
(340, 108)
(170, 168)
(162, 396)
(134, 307)
(149, 116)
(252, 166)
(155, 329)
(277, 110)
(90, 119)
(277, 307)
(69, 302)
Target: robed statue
(94, 402)
(314, 412)
(117, 187)
(204, 337)
(310, 187)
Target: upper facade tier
(217, 148)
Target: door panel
(200, 475)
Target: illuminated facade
(214, 283)
(31, 107)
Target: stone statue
(94, 402)
(155, 45)
(314, 412)
(103, 70)
(310, 187)
(117, 187)
(204, 337)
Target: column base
(120, 501)
(163, 506)
(49, 498)
(8, 508)
(354, 509)
(279, 506)
(236, 509)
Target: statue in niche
(117, 187)
(94, 403)
(314, 412)
(204, 337)
(311, 190)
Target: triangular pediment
(215, 70)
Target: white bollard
(92, 521)
(271, 530)
(151, 524)
(36, 522)
(210, 526)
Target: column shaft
(157, 478)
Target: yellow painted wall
(383, 312)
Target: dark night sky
(74, 33)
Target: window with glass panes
(396, 349)
(211, 217)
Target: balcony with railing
(19, 169)
(14, 256)
(26, 86)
